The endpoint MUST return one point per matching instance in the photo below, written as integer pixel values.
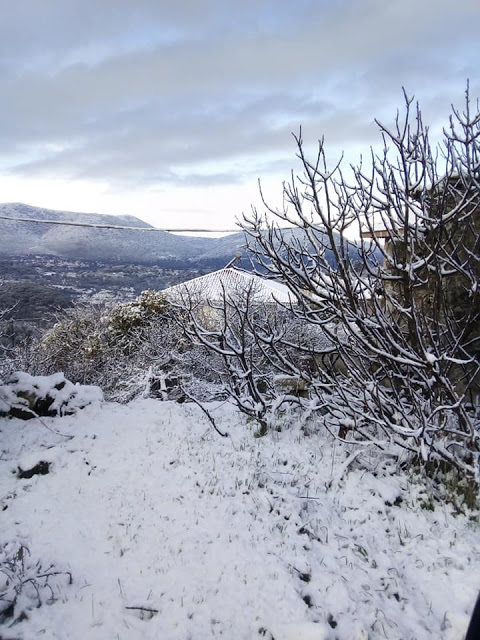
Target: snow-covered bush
(129, 316)
(76, 343)
(403, 310)
(255, 345)
(126, 349)
(10, 349)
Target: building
(435, 268)
(214, 288)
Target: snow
(67, 397)
(231, 282)
(172, 532)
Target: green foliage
(91, 331)
(81, 330)
(261, 431)
(106, 345)
(124, 349)
(128, 316)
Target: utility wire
(113, 226)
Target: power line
(113, 226)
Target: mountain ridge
(144, 244)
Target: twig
(206, 412)
(343, 468)
(35, 415)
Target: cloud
(152, 93)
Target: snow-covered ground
(171, 532)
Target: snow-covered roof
(213, 286)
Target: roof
(213, 286)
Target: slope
(117, 245)
(171, 532)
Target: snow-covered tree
(127, 349)
(396, 315)
(403, 311)
(7, 342)
(259, 347)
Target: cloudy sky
(171, 111)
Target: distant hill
(116, 246)
(45, 267)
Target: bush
(127, 317)
(126, 349)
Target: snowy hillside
(90, 243)
(171, 532)
(113, 245)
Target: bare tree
(401, 310)
(264, 355)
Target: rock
(25, 396)
(40, 469)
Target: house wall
(446, 298)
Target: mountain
(46, 266)
(144, 245)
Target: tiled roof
(213, 286)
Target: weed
(26, 585)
